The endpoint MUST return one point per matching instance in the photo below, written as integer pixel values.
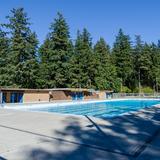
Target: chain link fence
(136, 95)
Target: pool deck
(50, 136)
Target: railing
(136, 95)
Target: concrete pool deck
(38, 136)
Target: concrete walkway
(41, 136)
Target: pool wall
(60, 103)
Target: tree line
(61, 62)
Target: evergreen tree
(137, 51)
(62, 63)
(55, 53)
(122, 57)
(82, 64)
(106, 76)
(155, 68)
(145, 64)
(23, 62)
(5, 78)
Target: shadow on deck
(124, 137)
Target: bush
(136, 90)
(147, 90)
(143, 90)
(126, 89)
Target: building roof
(51, 89)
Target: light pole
(139, 81)
(157, 84)
(121, 85)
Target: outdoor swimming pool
(100, 109)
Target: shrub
(126, 89)
(147, 90)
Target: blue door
(3, 97)
(73, 96)
(16, 97)
(81, 96)
(20, 97)
(77, 93)
(77, 96)
(13, 97)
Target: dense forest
(60, 62)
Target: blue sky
(102, 18)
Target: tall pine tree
(23, 49)
(55, 53)
(155, 68)
(122, 57)
(5, 77)
(82, 63)
(106, 76)
(137, 51)
(145, 64)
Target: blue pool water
(101, 109)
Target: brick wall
(35, 97)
